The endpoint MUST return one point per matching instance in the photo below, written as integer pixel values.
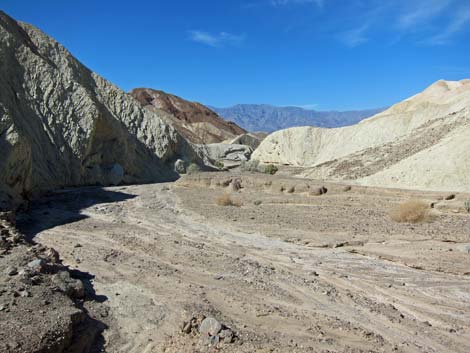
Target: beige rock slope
(62, 125)
(194, 121)
(421, 143)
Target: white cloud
(215, 40)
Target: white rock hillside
(420, 143)
(61, 124)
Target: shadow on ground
(63, 207)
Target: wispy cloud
(457, 24)
(217, 39)
(319, 3)
(354, 37)
(418, 12)
(429, 22)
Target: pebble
(226, 335)
(37, 264)
(187, 328)
(25, 294)
(11, 271)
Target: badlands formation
(194, 121)
(420, 143)
(219, 142)
(101, 250)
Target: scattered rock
(226, 335)
(318, 191)
(53, 255)
(37, 265)
(74, 288)
(187, 327)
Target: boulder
(210, 327)
(230, 155)
(115, 174)
(180, 166)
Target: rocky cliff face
(63, 125)
(420, 143)
(194, 121)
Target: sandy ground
(295, 273)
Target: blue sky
(323, 54)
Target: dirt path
(157, 260)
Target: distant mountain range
(268, 118)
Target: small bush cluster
(193, 168)
(249, 166)
(226, 200)
(219, 164)
(270, 169)
(412, 211)
(466, 205)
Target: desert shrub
(318, 191)
(412, 211)
(226, 200)
(219, 164)
(193, 168)
(257, 202)
(249, 166)
(270, 169)
(466, 205)
(236, 184)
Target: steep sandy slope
(418, 143)
(194, 121)
(61, 124)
